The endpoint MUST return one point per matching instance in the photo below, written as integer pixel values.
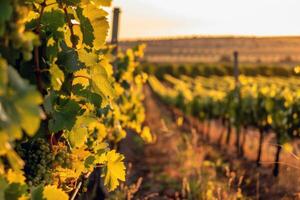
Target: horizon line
(205, 36)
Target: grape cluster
(38, 161)
(63, 158)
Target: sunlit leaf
(51, 192)
(115, 169)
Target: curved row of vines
(266, 104)
(65, 100)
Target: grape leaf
(98, 2)
(29, 112)
(98, 20)
(3, 187)
(64, 116)
(15, 191)
(51, 192)
(14, 160)
(6, 12)
(101, 83)
(71, 2)
(87, 95)
(22, 106)
(115, 168)
(52, 21)
(67, 59)
(86, 28)
(15, 177)
(37, 193)
(78, 136)
(146, 135)
(57, 77)
(103, 2)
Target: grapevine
(63, 109)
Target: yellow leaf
(5, 146)
(146, 135)
(15, 177)
(78, 136)
(89, 58)
(106, 3)
(14, 160)
(101, 83)
(23, 197)
(30, 113)
(179, 121)
(81, 77)
(288, 147)
(99, 22)
(57, 77)
(3, 76)
(105, 63)
(115, 169)
(51, 192)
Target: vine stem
(79, 186)
(70, 25)
(36, 51)
(76, 190)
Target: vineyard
(83, 119)
(269, 107)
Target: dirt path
(180, 165)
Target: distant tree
(287, 59)
(225, 59)
(258, 61)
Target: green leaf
(87, 95)
(37, 193)
(89, 161)
(71, 2)
(86, 28)
(14, 191)
(49, 102)
(52, 22)
(6, 11)
(67, 59)
(3, 187)
(64, 116)
(52, 49)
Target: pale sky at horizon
(163, 18)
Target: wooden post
(115, 29)
(236, 67)
(237, 96)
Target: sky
(171, 18)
